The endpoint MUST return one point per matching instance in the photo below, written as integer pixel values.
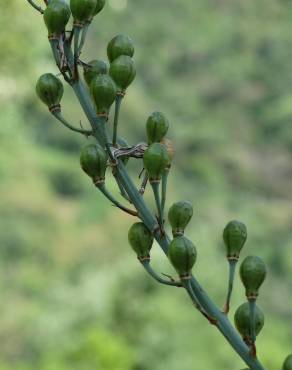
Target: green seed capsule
(93, 69)
(120, 45)
(182, 254)
(156, 159)
(287, 363)
(122, 71)
(242, 321)
(234, 236)
(93, 161)
(99, 6)
(103, 91)
(156, 127)
(141, 240)
(179, 215)
(252, 272)
(56, 16)
(82, 10)
(49, 89)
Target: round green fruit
(287, 363)
(242, 320)
(253, 273)
(122, 71)
(234, 236)
(179, 215)
(103, 91)
(141, 240)
(182, 254)
(82, 10)
(120, 45)
(156, 159)
(93, 161)
(93, 69)
(56, 16)
(156, 127)
(49, 89)
(99, 6)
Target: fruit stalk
(232, 268)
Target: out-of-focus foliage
(72, 294)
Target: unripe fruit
(234, 236)
(56, 16)
(103, 91)
(93, 161)
(99, 6)
(287, 363)
(155, 161)
(243, 322)
(156, 127)
(179, 215)
(120, 45)
(182, 254)
(94, 68)
(49, 89)
(82, 10)
(141, 240)
(252, 272)
(122, 71)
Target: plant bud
(287, 363)
(252, 272)
(99, 6)
(122, 71)
(156, 127)
(120, 45)
(56, 16)
(93, 161)
(141, 240)
(182, 254)
(94, 68)
(155, 161)
(243, 323)
(82, 10)
(103, 91)
(234, 236)
(49, 89)
(179, 215)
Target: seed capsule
(122, 71)
(287, 363)
(242, 321)
(155, 161)
(252, 272)
(49, 89)
(103, 91)
(234, 236)
(94, 68)
(99, 6)
(182, 254)
(82, 10)
(56, 16)
(179, 215)
(141, 240)
(93, 161)
(120, 45)
(156, 127)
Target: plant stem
(155, 187)
(118, 103)
(83, 37)
(60, 118)
(164, 188)
(54, 46)
(151, 272)
(232, 267)
(38, 8)
(252, 307)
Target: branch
(36, 7)
(59, 117)
(151, 272)
(232, 267)
(118, 103)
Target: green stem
(54, 46)
(155, 187)
(77, 31)
(60, 118)
(108, 195)
(151, 272)
(252, 307)
(83, 37)
(232, 268)
(38, 8)
(118, 103)
(164, 188)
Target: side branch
(36, 7)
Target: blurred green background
(73, 296)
